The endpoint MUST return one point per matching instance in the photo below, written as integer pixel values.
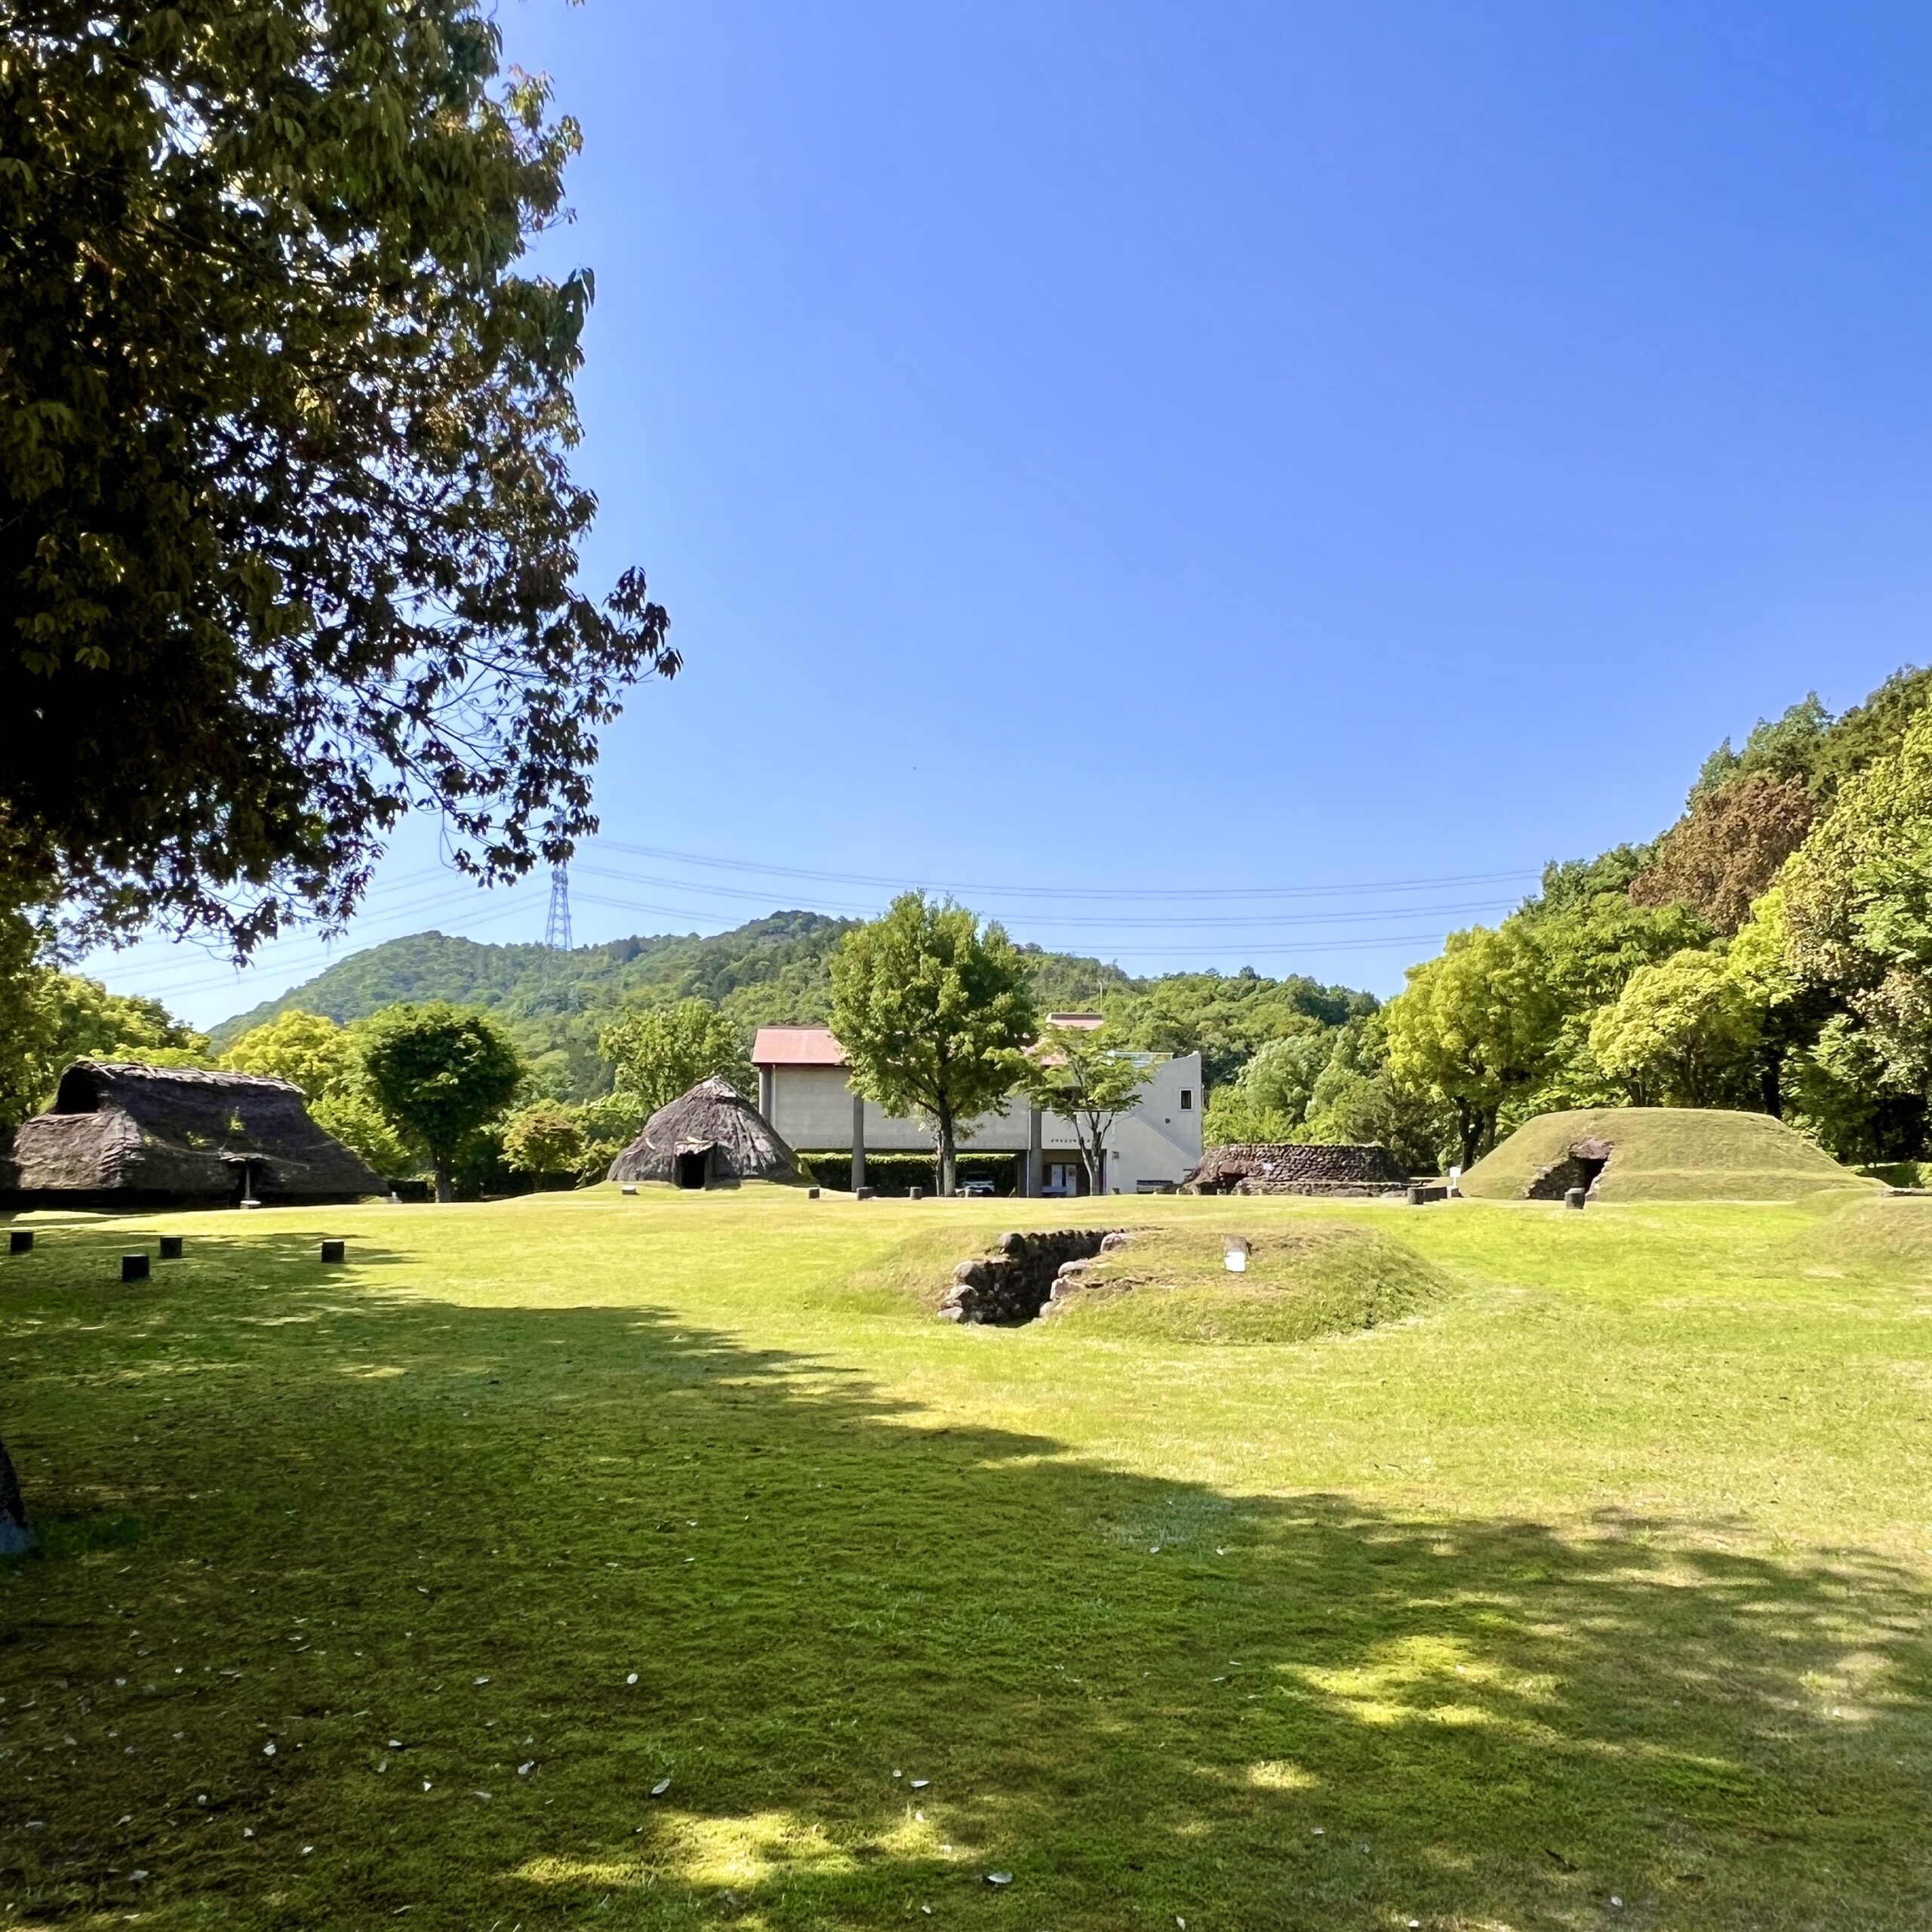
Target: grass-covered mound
(1664, 1154)
(1172, 1284)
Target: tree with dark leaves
(288, 540)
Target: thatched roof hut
(121, 1134)
(711, 1136)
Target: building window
(1187, 1100)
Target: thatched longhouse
(711, 1136)
(122, 1135)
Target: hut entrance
(692, 1167)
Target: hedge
(900, 1174)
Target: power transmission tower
(557, 927)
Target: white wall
(1159, 1141)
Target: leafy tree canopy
(1857, 905)
(1474, 1027)
(1085, 1078)
(543, 1140)
(439, 1074)
(934, 1013)
(287, 528)
(660, 1052)
(48, 1019)
(314, 1053)
(1683, 1033)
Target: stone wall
(1580, 1167)
(1011, 1285)
(1286, 1168)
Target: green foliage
(325, 1061)
(1683, 1033)
(934, 1014)
(1786, 747)
(545, 1140)
(895, 1175)
(1082, 1075)
(1475, 1028)
(660, 1052)
(1809, 747)
(351, 1113)
(1225, 1018)
(441, 1075)
(1232, 1119)
(776, 970)
(1858, 907)
(609, 1124)
(49, 1019)
(1590, 943)
(1281, 1077)
(286, 519)
(311, 1052)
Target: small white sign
(1236, 1257)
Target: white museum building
(804, 1092)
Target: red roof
(1077, 1023)
(796, 1046)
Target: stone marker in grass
(134, 1267)
(334, 1251)
(1573, 1197)
(20, 1241)
(170, 1248)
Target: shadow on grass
(484, 1579)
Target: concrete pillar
(1030, 1173)
(858, 1142)
(767, 1093)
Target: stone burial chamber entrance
(1579, 1167)
(1014, 1284)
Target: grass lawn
(1591, 1590)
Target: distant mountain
(773, 970)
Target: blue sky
(1163, 470)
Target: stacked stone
(1259, 1167)
(1012, 1284)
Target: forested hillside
(773, 970)
(1770, 951)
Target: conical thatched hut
(122, 1135)
(711, 1136)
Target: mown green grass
(1310, 1278)
(1603, 1573)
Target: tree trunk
(445, 1180)
(1470, 1122)
(1091, 1153)
(948, 1155)
(14, 1534)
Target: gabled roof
(1078, 1022)
(796, 1046)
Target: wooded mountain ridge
(771, 971)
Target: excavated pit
(1013, 1285)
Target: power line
(1071, 892)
